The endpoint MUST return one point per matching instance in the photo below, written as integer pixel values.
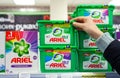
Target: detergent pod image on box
(99, 16)
(55, 32)
(58, 60)
(93, 61)
(21, 51)
(2, 52)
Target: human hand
(86, 24)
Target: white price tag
(51, 76)
(24, 75)
(77, 75)
(66, 75)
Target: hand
(86, 24)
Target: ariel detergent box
(93, 61)
(58, 60)
(21, 51)
(101, 14)
(87, 42)
(56, 33)
(2, 52)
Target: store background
(41, 10)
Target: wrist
(97, 34)
(103, 41)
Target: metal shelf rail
(60, 75)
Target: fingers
(82, 22)
(78, 25)
(79, 19)
(83, 19)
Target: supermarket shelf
(112, 75)
(68, 75)
(17, 76)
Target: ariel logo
(95, 14)
(57, 32)
(57, 57)
(21, 47)
(95, 59)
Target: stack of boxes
(58, 51)
(90, 57)
(65, 49)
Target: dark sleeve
(112, 54)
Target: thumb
(78, 25)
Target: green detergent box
(56, 33)
(101, 14)
(87, 42)
(74, 14)
(58, 60)
(92, 60)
